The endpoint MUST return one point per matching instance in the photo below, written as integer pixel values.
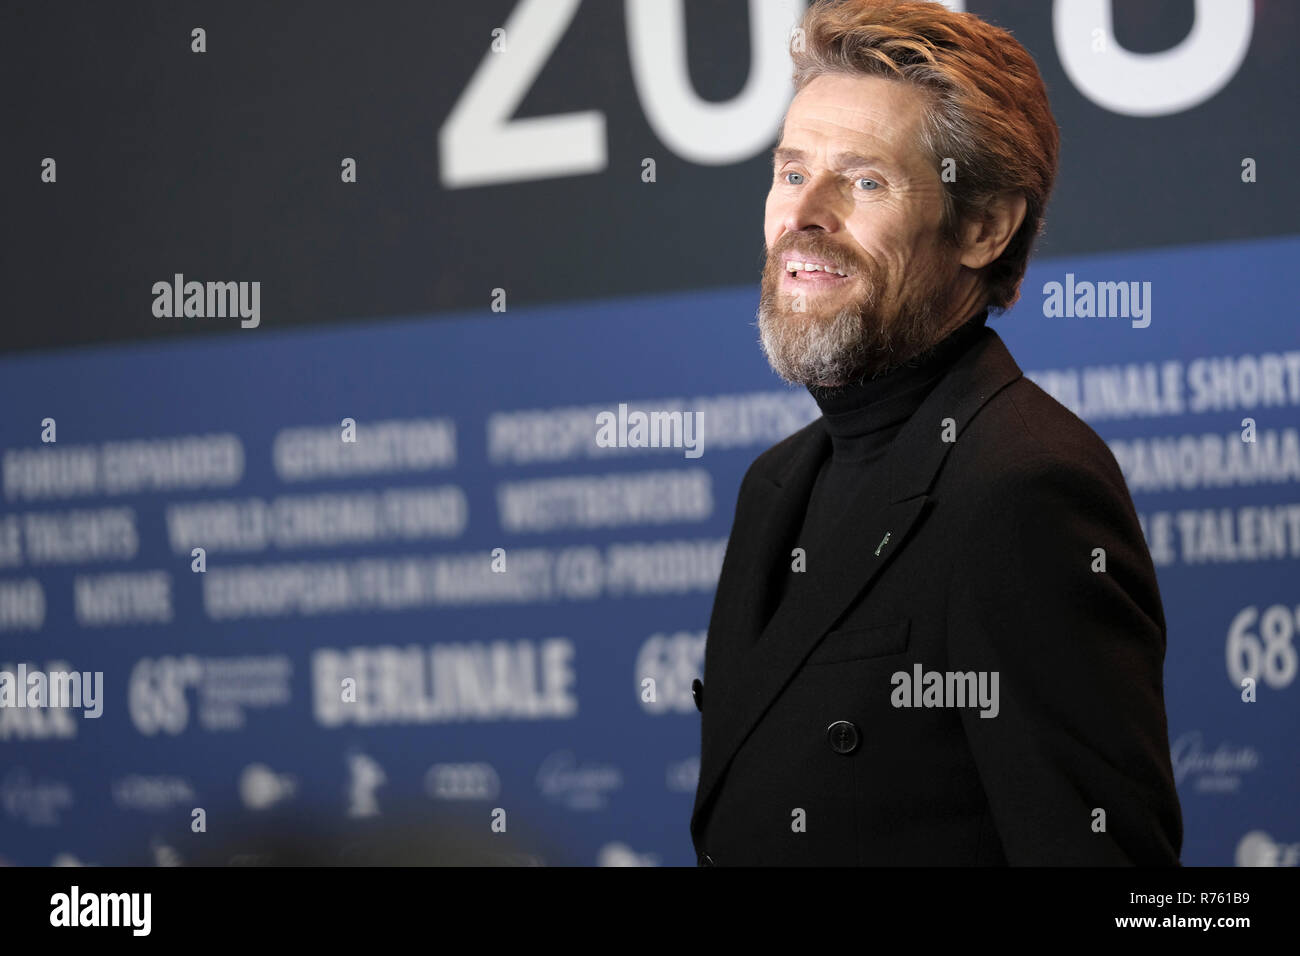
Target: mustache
(816, 247)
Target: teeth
(812, 267)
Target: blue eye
(792, 183)
(873, 183)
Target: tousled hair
(987, 111)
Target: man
(937, 637)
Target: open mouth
(814, 273)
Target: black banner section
(242, 905)
(525, 153)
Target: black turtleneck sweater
(862, 420)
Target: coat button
(706, 860)
(697, 691)
(843, 737)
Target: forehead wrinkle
(874, 147)
(867, 119)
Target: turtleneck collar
(863, 417)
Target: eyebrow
(846, 160)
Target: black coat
(988, 566)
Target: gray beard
(814, 353)
(848, 348)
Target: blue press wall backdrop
(348, 659)
(230, 699)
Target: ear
(982, 241)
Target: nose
(815, 206)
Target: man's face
(853, 189)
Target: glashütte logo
(560, 778)
(1218, 770)
(35, 802)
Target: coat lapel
(742, 677)
(768, 517)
